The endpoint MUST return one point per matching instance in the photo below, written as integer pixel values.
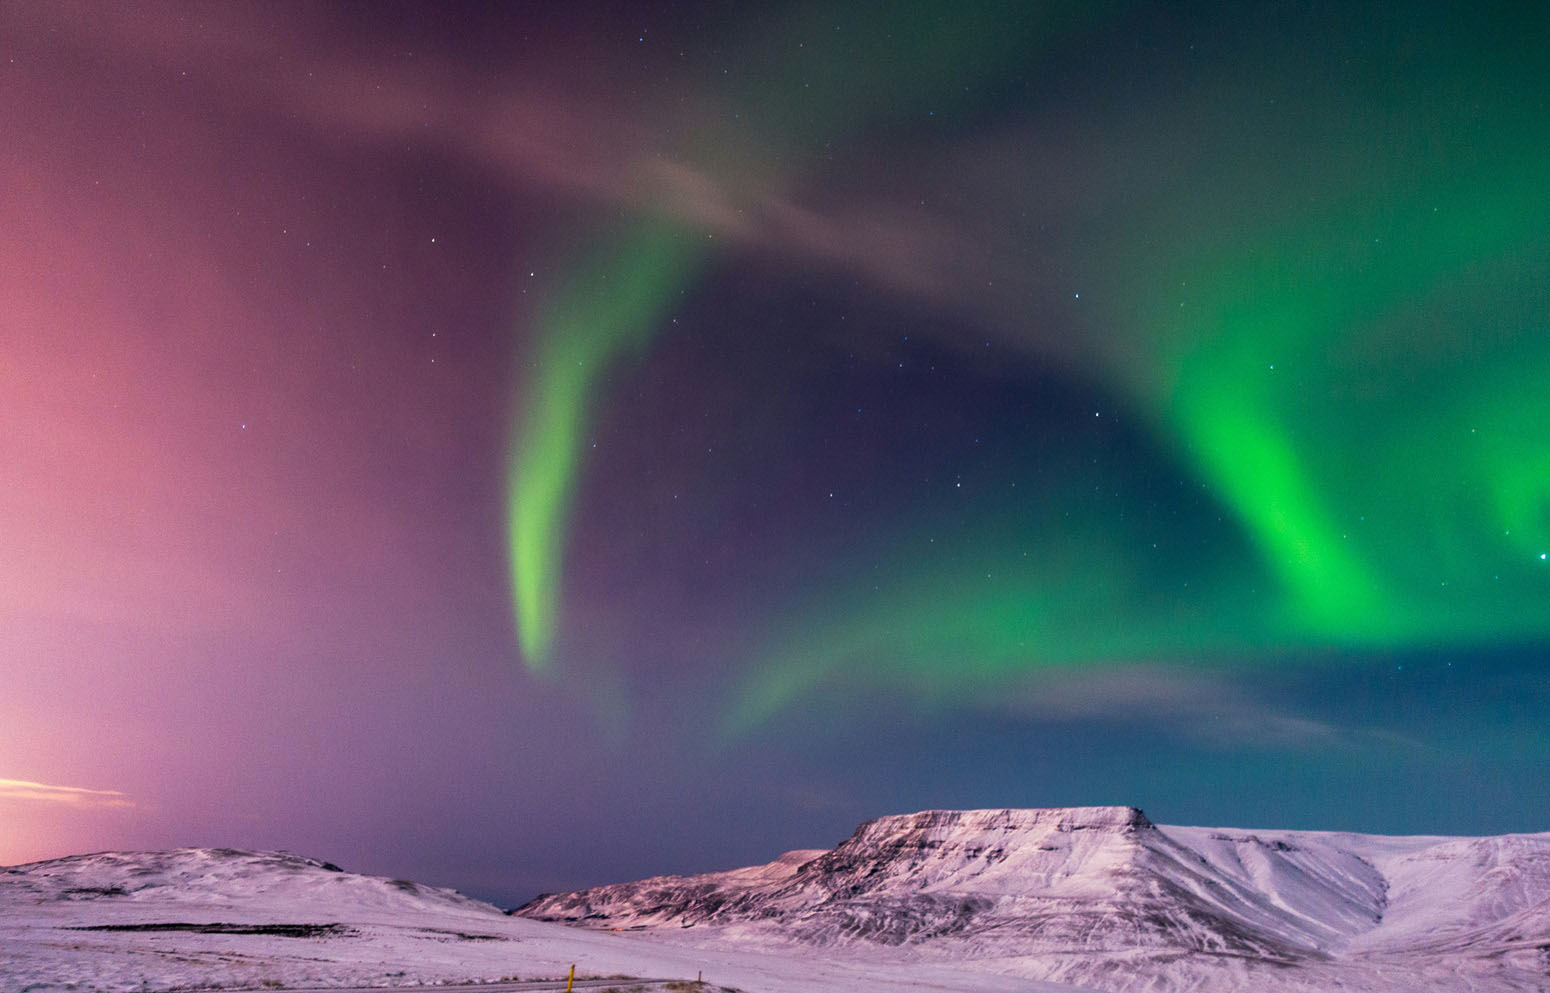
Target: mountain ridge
(1074, 894)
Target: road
(526, 986)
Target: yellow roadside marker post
(572, 980)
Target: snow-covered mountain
(1101, 896)
(990, 901)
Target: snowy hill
(217, 918)
(239, 884)
(1100, 896)
(204, 916)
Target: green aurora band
(1386, 501)
(1356, 392)
(1362, 387)
(607, 310)
(811, 89)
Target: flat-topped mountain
(1102, 895)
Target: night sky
(527, 446)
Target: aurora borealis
(587, 328)
(722, 425)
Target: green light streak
(1318, 396)
(607, 310)
(809, 91)
(1359, 383)
(1261, 475)
(1058, 589)
(1343, 352)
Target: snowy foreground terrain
(1093, 898)
(76, 924)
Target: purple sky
(273, 293)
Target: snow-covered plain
(1093, 898)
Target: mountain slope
(1101, 895)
